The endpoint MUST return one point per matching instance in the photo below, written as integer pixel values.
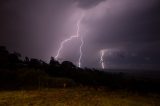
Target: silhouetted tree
(68, 65)
(3, 50)
(26, 60)
(34, 63)
(14, 57)
(14, 60)
(53, 62)
(4, 57)
(34, 72)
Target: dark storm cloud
(30, 26)
(133, 27)
(35, 28)
(130, 27)
(88, 3)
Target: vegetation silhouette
(31, 73)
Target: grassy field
(76, 97)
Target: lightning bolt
(102, 52)
(81, 53)
(71, 38)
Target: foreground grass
(76, 97)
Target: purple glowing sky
(128, 30)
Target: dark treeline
(29, 73)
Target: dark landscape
(79, 52)
(27, 79)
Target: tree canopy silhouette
(16, 72)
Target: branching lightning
(102, 52)
(72, 37)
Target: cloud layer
(86, 4)
(129, 29)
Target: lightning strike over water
(102, 52)
(70, 38)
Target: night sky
(127, 30)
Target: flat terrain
(76, 97)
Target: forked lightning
(72, 37)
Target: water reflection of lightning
(69, 39)
(102, 52)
